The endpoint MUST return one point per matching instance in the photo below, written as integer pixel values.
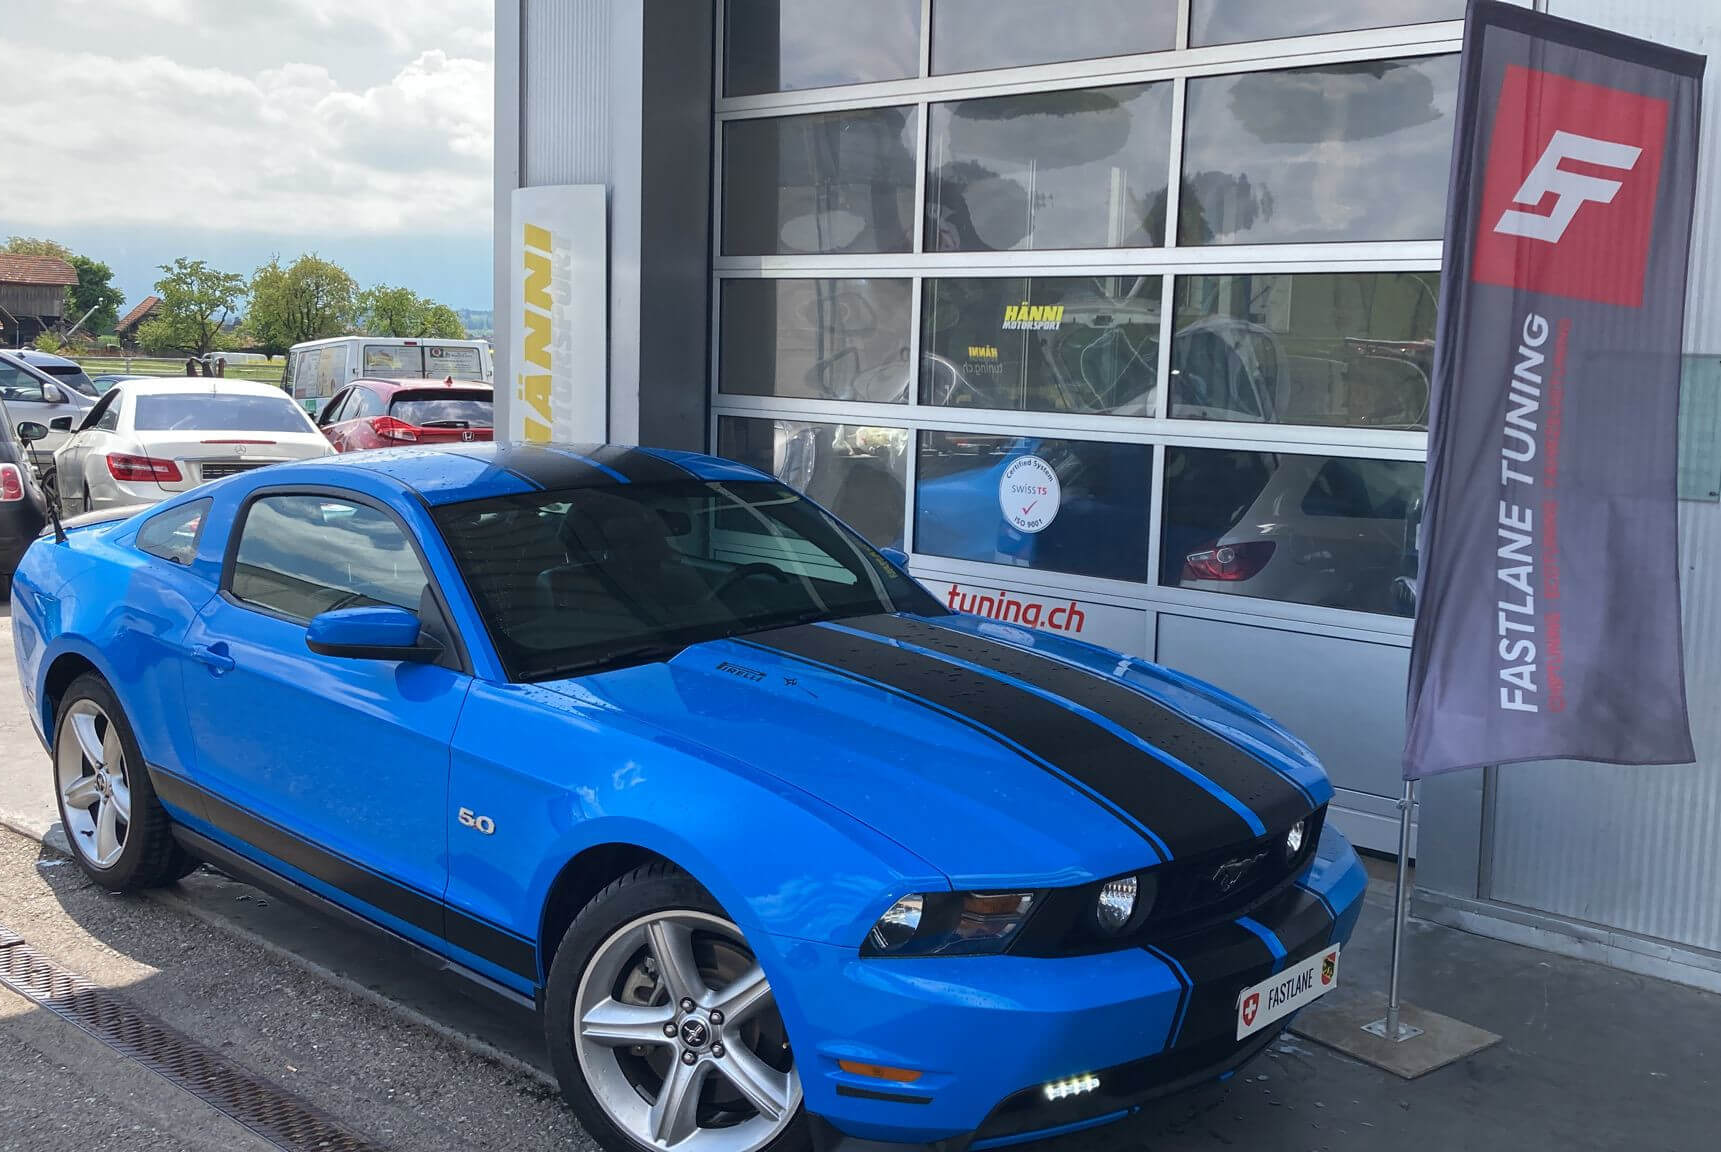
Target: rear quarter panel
(124, 611)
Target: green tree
(196, 303)
(393, 311)
(308, 300)
(94, 289)
(36, 246)
(443, 323)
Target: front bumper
(986, 1033)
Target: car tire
(120, 835)
(50, 485)
(608, 958)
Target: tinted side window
(105, 415)
(302, 555)
(363, 405)
(333, 412)
(17, 384)
(174, 534)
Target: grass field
(266, 373)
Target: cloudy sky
(140, 130)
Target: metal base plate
(1350, 1022)
(1405, 1031)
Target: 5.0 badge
(469, 819)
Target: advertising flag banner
(1548, 621)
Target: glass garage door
(1117, 315)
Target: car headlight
(949, 924)
(1124, 903)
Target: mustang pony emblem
(1231, 873)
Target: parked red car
(392, 413)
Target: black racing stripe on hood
(1219, 962)
(1274, 798)
(1179, 813)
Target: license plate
(1284, 992)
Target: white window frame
(1176, 65)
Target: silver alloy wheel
(678, 1037)
(90, 771)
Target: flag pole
(1390, 1028)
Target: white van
(318, 369)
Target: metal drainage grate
(284, 1120)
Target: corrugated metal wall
(565, 92)
(1639, 849)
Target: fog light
(1071, 1086)
(1294, 840)
(1116, 904)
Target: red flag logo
(1568, 197)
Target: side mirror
(61, 424)
(896, 556)
(371, 634)
(30, 432)
(53, 394)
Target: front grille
(1194, 893)
(216, 469)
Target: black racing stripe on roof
(1274, 798)
(1218, 962)
(639, 465)
(553, 468)
(1178, 812)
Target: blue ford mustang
(788, 855)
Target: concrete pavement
(1593, 1058)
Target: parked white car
(1327, 530)
(145, 440)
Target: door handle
(214, 655)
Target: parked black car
(23, 511)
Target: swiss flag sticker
(1251, 1006)
(1568, 197)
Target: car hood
(993, 754)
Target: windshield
(214, 412)
(442, 409)
(573, 581)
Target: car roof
(36, 356)
(453, 473)
(197, 385)
(389, 386)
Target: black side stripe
(499, 946)
(1275, 799)
(1181, 814)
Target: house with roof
(128, 325)
(32, 296)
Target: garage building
(1118, 317)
